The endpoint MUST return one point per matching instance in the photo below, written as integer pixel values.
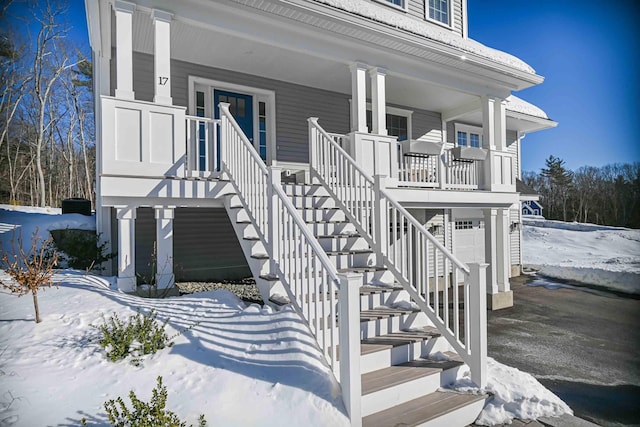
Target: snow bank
(398, 19)
(584, 253)
(238, 366)
(516, 394)
(16, 221)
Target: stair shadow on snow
(274, 347)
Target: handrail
(309, 278)
(418, 261)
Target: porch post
(124, 49)
(488, 132)
(478, 324)
(358, 98)
(162, 56)
(273, 233)
(490, 249)
(126, 279)
(503, 266)
(378, 101)
(164, 251)
(500, 124)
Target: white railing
(452, 295)
(311, 281)
(202, 146)
(420, 171)
(461, 174)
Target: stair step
(260, 256)
(424, 409)
(383, 313)
(362, 269)
(396, 375)
(396, 339)
(349, 252)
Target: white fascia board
(92, 11)
(534, 123)
(421, 198)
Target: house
(530, 199)
(350, 155)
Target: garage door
(469, 240)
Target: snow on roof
(389, 16)
(521, 106)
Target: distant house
(320, 146)
(529, 199)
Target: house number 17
(163, 80)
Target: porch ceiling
(329, 69)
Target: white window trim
(448, 25)
(467, 129)
(402, 8)
(259, 95)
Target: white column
(162, 56)
(126, 279)
(478, 324)
(488, 123)
(359, 98)
(124, 49)
(503, 264)
(500, 124)
(490, 249)
(164, 247)
(378, 101)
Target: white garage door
(469, 240)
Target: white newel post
(349, 327)
(358, 98)
(164, 250)
(378, 101)
(381, 222)
(162, 56)
(478, 324)
(274, 219)
(124, 49)
(126, 279)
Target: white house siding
(418, 9)
(514, 239)
(512, 147)
(456, 9)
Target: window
(401, 4)
(438, 10)
(398, 122)
(468, 136)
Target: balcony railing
(203, 147)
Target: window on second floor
(398, 122)
(438, 10)
(468, 136)
(402, 4)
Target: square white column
(162, 56)
(503, 264)
(164, 247)
(500, 124)
(124, 49)
(126, 279)
(378, 101)
(490, 249)
(359, 98)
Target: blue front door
(240, 106)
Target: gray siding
(426, 125)
(416, 8)
(512, 147)
(205, 247)
(294, 103)
(456, 15)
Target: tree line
(47, 133)
(608, 195)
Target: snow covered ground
(584, 253)
(238, 366)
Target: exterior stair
(404, 361)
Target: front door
(240, 106)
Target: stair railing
(328, 301)
(451, 294)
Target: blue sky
(588, 52)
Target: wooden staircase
(404, 360)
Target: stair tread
(383, 312)
(350, 251)
(260, 256)
(396, 339)
(337, 236)
(326, 221)
(379, 289)
(396, 375)
(422, 409)
(361, 269)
